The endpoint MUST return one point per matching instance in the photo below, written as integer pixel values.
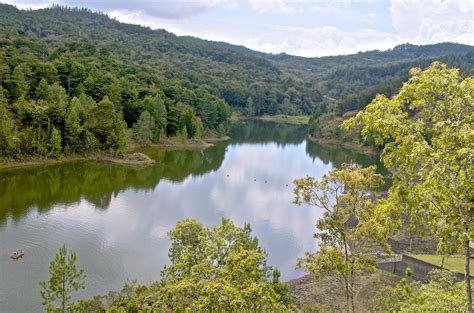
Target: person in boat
(17, 253)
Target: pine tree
(249, 108)
(43, 91)
(144, 128)
(55, 143)
(64, 279)
(21, 84)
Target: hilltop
(278, 83)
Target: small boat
(15, 255)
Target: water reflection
(117, 217)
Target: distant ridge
(276, 83)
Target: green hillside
(74, 81)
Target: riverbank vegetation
(73, 82)
(69, 88)
(344, 196)
(441, 293)
(426, 133)
(358, 84)
(278, 118)
(43, 119)
(220, 268)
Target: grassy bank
(177, 143)
(124, 159)
(350, 145)
(279, 118)
(129, 157)
(453, 263)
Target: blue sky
(299, 27)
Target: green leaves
(64, 279)
(349, 221)
(428, 128)
(440, 293)
(220, 268)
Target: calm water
(116, 217)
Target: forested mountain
(353, 80)
(76, 81)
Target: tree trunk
(346, 278)
(352, 286)
(64, 299)
(467, 274)
(63, 292)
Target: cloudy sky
(299, 27)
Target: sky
(308, 28)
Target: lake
(116, 217)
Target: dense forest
(74, 81)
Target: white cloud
(321, 41)
(174, 9)
(433, 21)
(369, 17)
(414, 21)
(277, 6)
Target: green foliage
(249, 107)
(441, 292)
(106, 125)
(347, 225)
(50, 56)
(55, 143)
(144, 128)
(86, 93)
(20, 83)
(219, 269)
(427, 129)
(43, 91)
(349, 83)
(64, 279)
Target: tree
(58, 94)
(160, 117)
(249, 107)
(43, 90)
(144, 128)
(440, 293)
(73, 130)
(55, 143)
(219, 269)
(347, 224)
(64, 279)
(107, 126)
(7, 131)
(21, 85)
(427, 129)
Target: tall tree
(107, 125)
(427, 129)
(348, 221)
(249, 107)
(55, 143)
(43, 90)
(160, 117)
(64, 279)
(21, 85)
(7, 131)
(144, 128)
(219, 268)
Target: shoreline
(118, 158)
(284, 119)
(367, 150)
